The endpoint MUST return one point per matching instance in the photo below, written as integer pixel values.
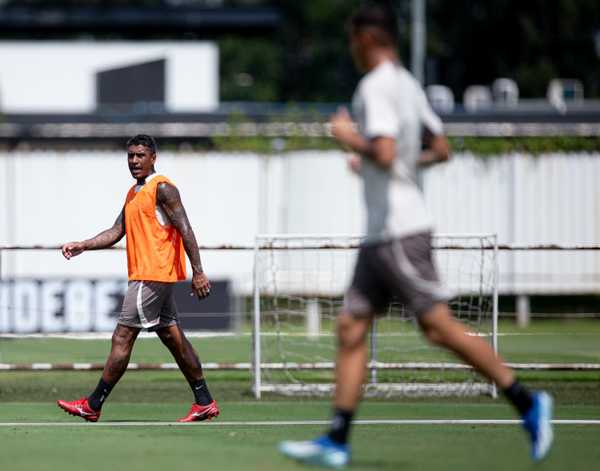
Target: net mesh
(300, 283)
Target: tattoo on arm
(109, 237)
(170, 201)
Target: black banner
(93, 305)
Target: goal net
(299, 284)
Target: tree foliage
(467, 43)
(530, 42)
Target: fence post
(523, 310)
(256, 325)
(313, 318)
(374, 351)
(495, 307)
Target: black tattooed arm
(105, 239)
(169, 200)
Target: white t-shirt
(389, 102)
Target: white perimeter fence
(52, 197)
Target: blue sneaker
(538, 423)
(321, 452)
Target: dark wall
(130, 85)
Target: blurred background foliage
(305, 58)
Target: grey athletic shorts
(149, 305)
(400, 270)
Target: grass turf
(399, 447)
(544, 341)
(164, 396)
(169, 386)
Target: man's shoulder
(166, 191)
(370, 81)
(162, 180)
(383, 79)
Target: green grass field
(152, 400)
(220, 446)
(544, 341)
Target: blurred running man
(158, 235)
(392, 113)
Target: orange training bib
(154, 252)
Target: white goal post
(299, 283)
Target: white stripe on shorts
(140, 309)
(433, 288)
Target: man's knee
(435, 323)
(166, 337)
(123, 334)
(433, 334)
(123, 337)
(173, 339)
(351, 332)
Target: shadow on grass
(380, 464)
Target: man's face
(141, 161)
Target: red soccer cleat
(198, 412)
(80, 408)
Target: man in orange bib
(158, 233)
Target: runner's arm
(437, 149)
(381, 149)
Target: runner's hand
(355, 163)
(342, 126)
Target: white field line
(243, 366)
(108, 335)
(276, 423)
(204, 335)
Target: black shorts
(399, 270)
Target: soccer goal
(299, 283)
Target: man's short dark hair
(143, 140)
(376, 15)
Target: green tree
(531, 42)
(251, 69)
